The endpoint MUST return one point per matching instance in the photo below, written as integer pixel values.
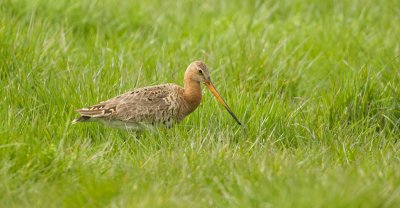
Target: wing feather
(149, 104)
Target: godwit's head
(197, 71)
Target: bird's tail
(81, 119)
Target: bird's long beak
(221, 100)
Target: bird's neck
(192, 93)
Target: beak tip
(220, 100)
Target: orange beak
(220, 100)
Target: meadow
(315, 83)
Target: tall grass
(316, 84)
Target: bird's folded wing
(151, 103)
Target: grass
(316, 84)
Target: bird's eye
(201, 72)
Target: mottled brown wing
(155, 104)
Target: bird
(159, 105)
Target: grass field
(316, 84)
